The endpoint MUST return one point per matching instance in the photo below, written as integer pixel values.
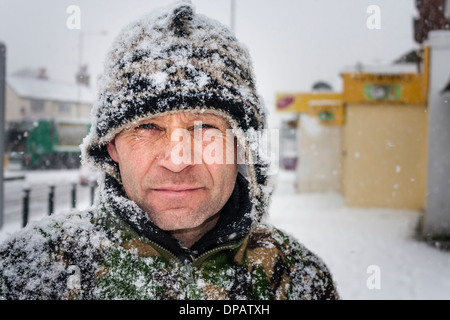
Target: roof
(34, 88)
(446, 90)
(384, 69)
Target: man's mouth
(176, 191)
(177, 188)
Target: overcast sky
(294, 43)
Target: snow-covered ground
(360, 246)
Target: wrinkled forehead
(183, 118)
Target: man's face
(176, 167)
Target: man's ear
(112, 150)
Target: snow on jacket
(104, 254)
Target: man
(179, 212)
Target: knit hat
(176, 60)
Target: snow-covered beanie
(176, 60)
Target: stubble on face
(175, 197)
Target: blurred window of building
(37, 106)
(64, 108)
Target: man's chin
(177, 220)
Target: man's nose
(177, 152)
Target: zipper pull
(193, 292)
(189, 269)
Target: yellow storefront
(372, 145)
(385, 139)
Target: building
(385, 137)
(32, 98)
(318, 142)
(45, 121)
(392, 148)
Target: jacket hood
(176, 60)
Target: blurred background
(358, 89)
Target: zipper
(196, 262)
(164, 252)
(200, 259)
(189, 267)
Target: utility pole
(233, 15)
(81, 38)
(80, 52)
(2, 126)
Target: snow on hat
(176, 60)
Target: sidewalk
(354, 241)
(13, 175)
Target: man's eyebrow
(212, 117)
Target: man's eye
(147, 126)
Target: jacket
(112, 251)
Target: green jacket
(103, 254)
